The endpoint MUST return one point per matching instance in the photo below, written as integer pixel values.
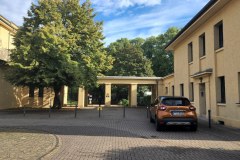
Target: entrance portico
(133, 82)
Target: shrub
(124, 102)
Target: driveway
(36, 136)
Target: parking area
(62, 136)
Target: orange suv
(169, 110)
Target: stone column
(81, 97)
(160, 88)
(133, 95)
(154, 92)
(107, 95)
(65, 95)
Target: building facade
(11, 96)
(207, 61)
(7, 31)
(206, 67)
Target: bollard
(24, 111)
(99, 111)
(147, 111)
(75, 111)
(124, 111)
(49, 112)
(209, 119)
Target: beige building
(207, 61)
(10, 96)
(7, 30)
(206, 67)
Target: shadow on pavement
(172, 152)
(135, 125)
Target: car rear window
(176, 102)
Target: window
(173, 91)
(202, 45)
(218, 35)
(221, 90)
(166, 90)
(181, 90)
(191, 92)
(190, 52)
(176, 101)
(40, 92)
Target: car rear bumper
(178, 121)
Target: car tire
(158, 126)
(194, 128)
(151, 119)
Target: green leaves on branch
(59, 44)
(129, 59)
(154, 50)
(139, 57)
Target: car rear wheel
(194, 128)
(151, 119)
(158, 126)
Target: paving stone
(112, 137)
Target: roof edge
(168, 76)
(194, 19)
(8, 23)
(129, 77)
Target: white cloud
(14, 10)
(112, 6)
(153, 22)
(130, 23)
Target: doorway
(202, 99)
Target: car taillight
(162, 108)
(191, 108)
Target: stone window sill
(203, 57)
(219, 50)
(221, 104)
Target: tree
(154, 49)
(137, 42)
(128, 59)
(58, 44)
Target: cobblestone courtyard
(88, 137)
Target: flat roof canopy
(127, 80)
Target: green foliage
(139, 57)
(128, 58)
(144, 101)
(124, 102)
(118, 93)
(59, 44)
(154, 49)
(72, 96)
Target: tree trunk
(57, 100)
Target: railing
(4, 54)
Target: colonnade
(133, 82)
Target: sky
(124, 18)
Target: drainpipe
(157, 88)
(209, 111)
